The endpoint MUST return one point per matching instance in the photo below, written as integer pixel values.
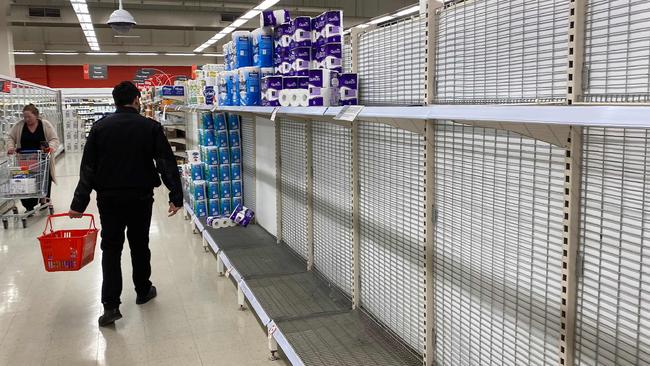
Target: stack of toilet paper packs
(286, 62)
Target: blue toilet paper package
(213, 173)
(224, 189)
(226, 206)
(214, 207)
(235, 171)
(236, 201)
(220, 121)
(271, 87)
(200, 208)
(207, 121)
(213, 190)
(199, 190)
(209, 138)
(222, 139)
(243, 49)
(212, 155)
(224, 172)
(249, 86)
(197, 171)
(234, 139)
(233, 122)
(201, 135)
(302, 32)
(203, 152)
(224, 156)
(262, 39)
(236, 188)
(234, 87)
(235, 155)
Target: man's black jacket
(118, 160)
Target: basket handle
(50, 217)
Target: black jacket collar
(126, 110)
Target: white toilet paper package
(271, 18)
(271, 88)
(224, 97)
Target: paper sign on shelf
(349, 113)
(274, 113)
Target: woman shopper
(34, 133)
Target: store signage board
(95, 72)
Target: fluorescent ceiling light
(407, 11)
(266, 4)
(381, 20)
(180, 54)
(60, 53)
(228, 29)
(141, 54)
(213, 54)
(24, 53)
(102, 53)
(81, 9)
(251, 14)
(84, 18)
(239, 22)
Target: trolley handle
(50, 217)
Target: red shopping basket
(68, 250)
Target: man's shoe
(109, 317)
(145, 299)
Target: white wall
(265, 204)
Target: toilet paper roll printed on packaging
(249, 86)
(301, 61)
(235, 155)
(236, 188)
(222, 139)
(271, 18)
(226, 206)
(207, 122)
(224, 172)
(233, 122)
(234, 138)
(224, 156)
(213, 190)
(243, 49)
(299, 97)
(220, 121)
(289, 84)
(271, 88)
(212, 155)
(302, 31)
(224, 189)
(235, 171)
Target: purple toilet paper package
(329, 56)
(320, 87)
(302, 32)
(348, 89)
(332, 31)
(242, 215)
(284, 36)
(317, 25)
(303, 82)
(290, 82)
(301, 61)
(271, 86)
(270, 18)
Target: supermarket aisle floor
(51, 318)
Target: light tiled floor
(51, 318)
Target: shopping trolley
(68, 250)
(24, 175)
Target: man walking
(118, 163)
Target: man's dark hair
(124, 93)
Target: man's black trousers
(133, 214)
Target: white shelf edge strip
(289, 352)
(199, 224)
(208, 238)
(229, 267)
(264, 317)
(597, 115)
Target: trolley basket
(68, 250)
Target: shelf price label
(349, 113)
(274, 113)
